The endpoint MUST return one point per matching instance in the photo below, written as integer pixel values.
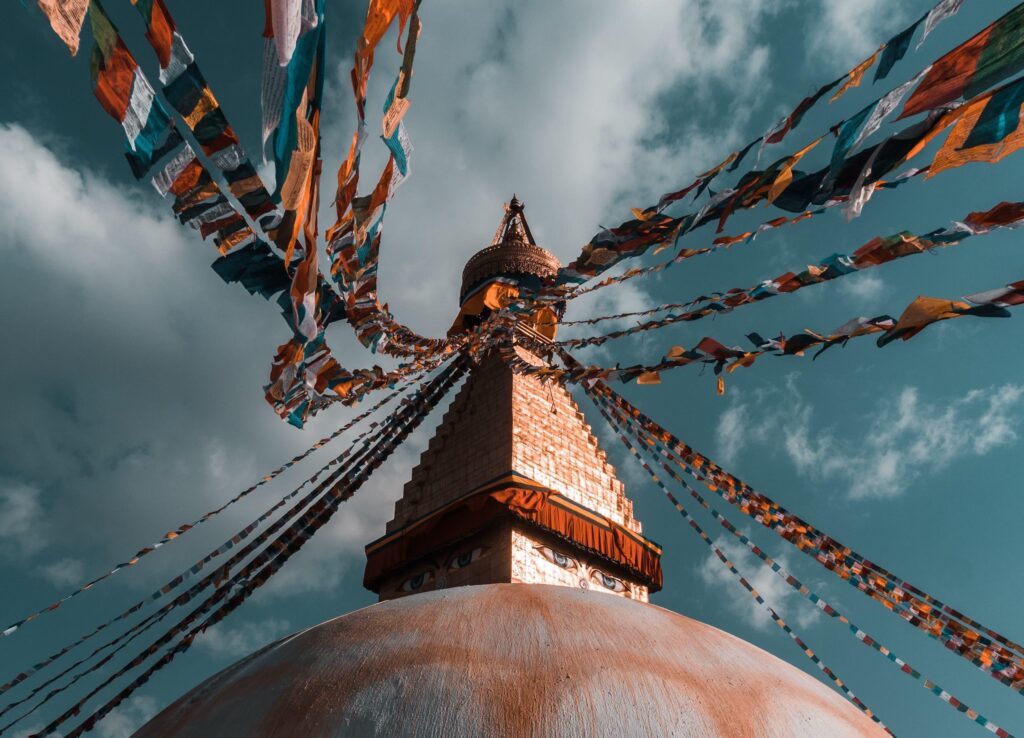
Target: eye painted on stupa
(557, 558)
(418, 582)
(466, 558)
(608, 582)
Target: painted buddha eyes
(421, 580)
(608, 582)
(416, 583)
(465, 559)
(597, 576)
(557, 558)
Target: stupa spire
(514, 486)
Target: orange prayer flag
(786, 173)
(924, 311)
(951, 155)
(649, 378)
(855, 75)
(66, 18)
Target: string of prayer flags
(706, 471)
(305, 378)
(877, 251)
(636, 439)
(286, 95)
(998, 657)
(185, 527)
(215, 578)
(919, 315)
(270, 560)
(189, 94)
(634, 450)
(177, 533)
(843, 177)
(828, 186)
(989, 57)
(561, 293)
(123, 90)
(66, 19)
(354, 240)
(343, 462)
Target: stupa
(514, 581)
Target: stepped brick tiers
(515, 581)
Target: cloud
(908, 439)
(864, 286)
(234, 642)
(850, 30)
(123, 721)
(21, 518)
(64, 572)
(740, 424)
(768, 584)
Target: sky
(133, 375)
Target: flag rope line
(992, 653)
(611, 414)
(288, 543)
(214, 576)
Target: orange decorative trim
(519, 497)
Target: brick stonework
(502, 422)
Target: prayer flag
(66, 18)
(987, 58)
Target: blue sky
(133, 373)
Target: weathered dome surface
(511, 660)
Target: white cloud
(908, 439)
(124, 720)
(849, 30)
(236, 641)
(121, 722)
(779, 595)
(740, 425)
(64, 572)
(21, 518)
(864, 286)
(730, 433)
(33, 730)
